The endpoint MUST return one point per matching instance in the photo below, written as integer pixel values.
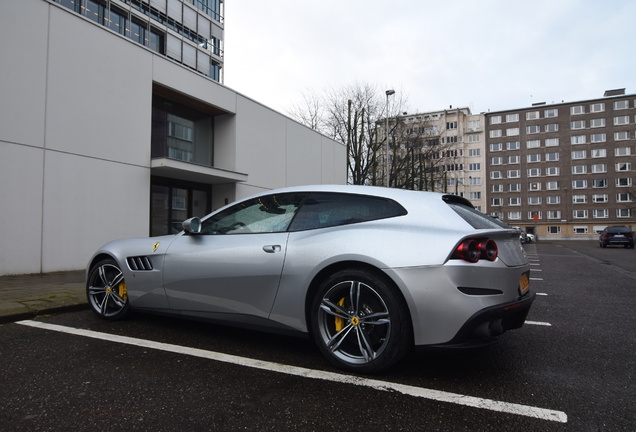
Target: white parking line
(436, 395)
(538, 279)
(542, 294)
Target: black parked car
(616, 235)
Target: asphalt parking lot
(571, 367)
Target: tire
(106, 290)
(360, 322)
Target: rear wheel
(106, 290)
(360, 322)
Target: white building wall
(75, 131)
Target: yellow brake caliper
(340, 322)
(123, 292)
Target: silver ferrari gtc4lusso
(367, 272)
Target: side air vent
(139, 263)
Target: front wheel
(360, 322)
(106, 290)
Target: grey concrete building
(114, 123)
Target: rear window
(618, 229)
(477, 219)
(321, 210)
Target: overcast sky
(487, 55)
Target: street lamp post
(386, 143)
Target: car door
(234, 265)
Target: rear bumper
(488, 323)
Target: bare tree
(351, 115)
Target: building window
(597, 107)
(554, 214)
(533, 129)
(599, 183)
(532, 115)
(513, 145)
(551, 142)
(495, 120)
(534, 172)
(598, 153)
(514, 187)
(599, 168)
(496, 160)
(533, 144)
(578, 139)
(624, 182)
(579, 199)
(474, 167)
(495, 175)
(552, 185)
(599, 198)
(514, 201)
(475, 195)
(621, 120)
(621, 136)
(173, 203)
(551, 113)
(623, 213)
(596, 123)
(580, 230)
(516, 215)
(579, 109)
(532, 214)
(552, 157)
(474, 152)
(553, 199)
(512, 118)
(475, 181)
(496, 188)
(534, 186)
(95, 11)
(514, 173)
(579, 154)
(579, 184)
(552, 171)
(600, 213)
(495, 201)
(534, 158)
(554, 229)
(580, 214)
(512, 131)
(553, 127)
(622, 151)
(597, 138)
(623, 166)
(181, 133)
(451, 125)
(577, 124)
(534, 200)
(496, 147)
(620, 105)
(624, 197)
(495, 133)
(579, 169)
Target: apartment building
(114, 123)
(564, 170)
(439, 151)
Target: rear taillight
(474, 249)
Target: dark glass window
(321, 210)
(138, 32)
(156, 41)
(172, 202)
(267, 214)
(95, 11)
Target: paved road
(570, 369)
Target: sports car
(367, 272)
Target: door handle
(272, 248)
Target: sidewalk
(26, 296)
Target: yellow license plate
(524, 283)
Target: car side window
(321, 210)
(266, 214)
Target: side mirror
(192, 225)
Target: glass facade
(173, 202)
